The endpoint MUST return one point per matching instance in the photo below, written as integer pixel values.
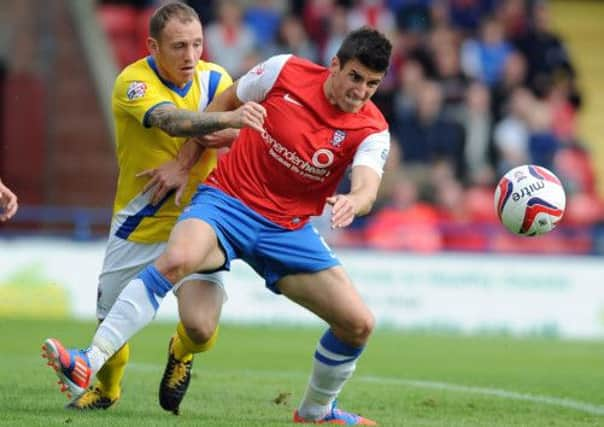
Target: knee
(176, 263)
(200, 331)
(365, 326)
(358, 329)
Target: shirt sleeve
(373, 151)
(137, 98)
(256, 83)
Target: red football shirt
(286, 173)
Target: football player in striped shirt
(156, 105)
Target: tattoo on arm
(179, 122)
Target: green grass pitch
(255, 376)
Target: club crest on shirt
(136, 90)
(338, 138)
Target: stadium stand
(466, 100)
(121, 25)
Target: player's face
(177, 50)
(352, 85)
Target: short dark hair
(163, 14)
(369, 46)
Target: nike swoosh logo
(288, 98)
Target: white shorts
(123, 261)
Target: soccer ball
(530, 200)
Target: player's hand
(219, 139)
(8, 203)
(251, 114)
(169, 176)
(343, 210)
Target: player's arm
(227, 100)
(173, 174)
(367, 169)
(180, 122)
(252, 87)
(193, 148)
(364, 186)
(8, 203)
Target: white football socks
(135, 307)
(334, 363)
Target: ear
(152, 45)
(334, 66)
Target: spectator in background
(514, 17)
(292, 38)
(563, 111)
(317, 17)
(409, 43)
(138, 4)
(546, 54)
(410, 221)
(411, 78)
(448, 197)
(484, 58)
(514, 76)
(297, 6)
(576, 171)
(372, 13)
(478, 124)
(229, 41)
(409, 46)
(338, 28)
(426, 137)
(443, 36)
(413, 15)
(543, 143)
(264, 17)
(467, 15)
(451, 78)
(526, 134)
(511, 134)
(440, 16)
(8, 203)
(461, 211)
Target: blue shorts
(271, 250)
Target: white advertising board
(469, 293)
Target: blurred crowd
(475, 88)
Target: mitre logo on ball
(530, 200)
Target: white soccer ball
(530, 200)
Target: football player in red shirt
(256, 206)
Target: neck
(167, 78)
